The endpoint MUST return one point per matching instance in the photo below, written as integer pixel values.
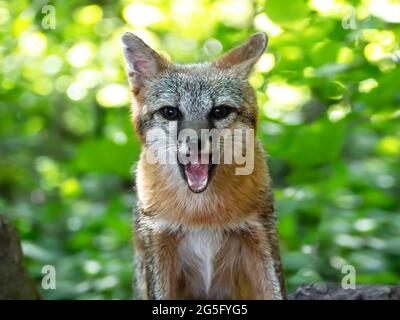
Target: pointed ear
(241, 59)
(143, 62)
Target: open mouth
(197, 174)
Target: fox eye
(170, 113)
(220, 112)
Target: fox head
(196, 98)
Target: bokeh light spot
(80, 54)
(113, 95)
(88, 15)
(142, 15)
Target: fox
(201, 230)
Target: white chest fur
(197, 252)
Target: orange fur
(218, 244)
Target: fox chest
(205, 266)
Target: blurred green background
(328, 90)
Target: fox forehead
(195, 89)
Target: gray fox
(201, 231)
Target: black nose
(195, 144)
(199, 145)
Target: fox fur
(221, 243)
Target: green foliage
(295, 12)
(329, 117)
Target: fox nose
(204, 145)
(199, 145)
(194, 144)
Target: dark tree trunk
(15, 282)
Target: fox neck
(228, 200)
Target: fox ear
(143, 62)
(242, 58)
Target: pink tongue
(197, 176)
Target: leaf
(292, 11)
(105, 156)
(315, 144)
